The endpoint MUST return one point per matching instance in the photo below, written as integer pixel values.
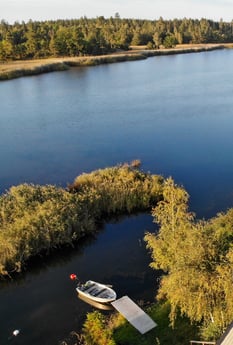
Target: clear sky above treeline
(24, 10)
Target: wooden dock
(227, 337)
(134, 314)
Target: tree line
(78, 37)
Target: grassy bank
(113, 329)
(16, 69)
(35, 219)
(19, 69)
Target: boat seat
(99, 292)
(92, 290)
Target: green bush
(95, 330)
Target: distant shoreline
(21, 68)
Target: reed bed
(35, 219)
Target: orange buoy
(73, 276)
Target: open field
(16, 69)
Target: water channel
(174, 113)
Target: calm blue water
(174, 113)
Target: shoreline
(21, 68)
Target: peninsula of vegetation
(39, 47)
(196, 255)
(35, 219)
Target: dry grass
(25, 64)
(32, 64)
(15, 69)
(200, 45)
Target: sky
(24, 10)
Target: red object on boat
(73, 276)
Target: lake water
(174, 113)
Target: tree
(32, 46)
(6, 50)
(198, 257)
(170, 41)
(160, 32)
(136, 40)
(175, 221)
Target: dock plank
(134, 314)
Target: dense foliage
(85, 36)
(198, 259)
(122, 189)
(96, 330)
(35, 219)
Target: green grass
(118, 331)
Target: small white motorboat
(97, 292)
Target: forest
(80, 37)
